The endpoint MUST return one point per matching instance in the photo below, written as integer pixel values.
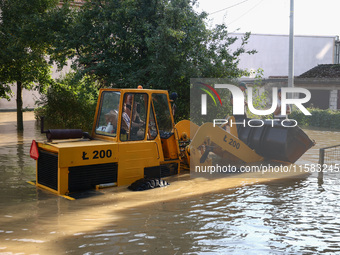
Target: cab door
(164, 119)
(137, 149)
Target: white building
(272, 53)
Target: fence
(329, 156)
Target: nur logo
(238, 99)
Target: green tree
(156, 43)
(24, 39)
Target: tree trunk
(20, 123)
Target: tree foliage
(159, 44)
(24, 40)
(156, 43)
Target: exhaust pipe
(63, 133)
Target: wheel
(149, 183)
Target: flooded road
(191, 216)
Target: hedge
(319, 118)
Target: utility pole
(291, 47)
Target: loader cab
(141, 122)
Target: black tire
(145, 184)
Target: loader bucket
(276, 142)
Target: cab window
(133, 124)
(152, 133)
(108, 113)
(163, 114)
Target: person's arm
(126, 119)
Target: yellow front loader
(133, 138)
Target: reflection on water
(291, 217)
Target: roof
(323, 71)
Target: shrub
(319, 118)
(69, 103)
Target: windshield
(108, 113)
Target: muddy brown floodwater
(191, 216)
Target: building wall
(272, 56)
(28, 97)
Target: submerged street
(191, 216)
